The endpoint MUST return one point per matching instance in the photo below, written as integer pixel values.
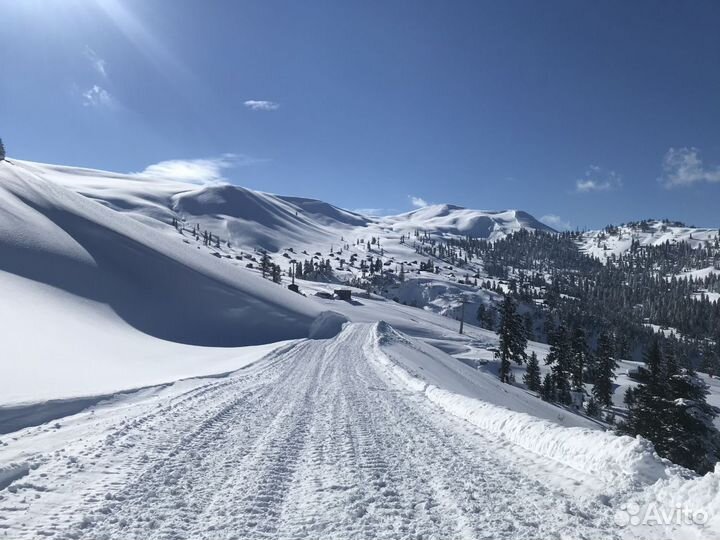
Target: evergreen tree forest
(623, 296)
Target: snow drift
(632, 473)
(327, 325)
(619, 461)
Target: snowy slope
(157, 283)
(233, 211)
(246, 220)
(372, 427)
(602, 245)
(102, 294)
(94, 300)
(458, 221)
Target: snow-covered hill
(102, 293)
(454, 220)
(605, 243)
(245, 221)
(255, 219)
(96, 301)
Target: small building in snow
(343, 294)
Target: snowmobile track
(313, 442)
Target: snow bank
(11, 472)
(650, 494)
(327, 325)
(690, 505)
(618, 461)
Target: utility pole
(462, 313)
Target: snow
(458, 221)
(601, 245)
(95, 301)
(711, 296)
(322, 439)
(121, 300)
(314, 419)
(699, 274)
(340, 454)
(11, 472)
(621, 462)
(328, 324)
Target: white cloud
(200, 171)
(374, 211)
(417, 202)
(556, 222)
(97, 63)
(97, 96)
(683, 167)
(261, 105)
(368, 211)
(597, 179)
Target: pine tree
(579, 358)
(276, 277)
(532, 374)
(2, 150)
(592, 409)
(547, 391)
(528, 322)
(605, 366)
(512, 339)
(560, 361)
(695, 441)
(647, 406)
(709, 359)
(670, 409)
(486, 317)
(265, 263)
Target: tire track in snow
(313, 444)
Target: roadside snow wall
(619, 461)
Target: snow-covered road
(313, 442)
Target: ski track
(311, 443)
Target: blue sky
(586, 112)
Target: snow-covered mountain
(605, 243)
(385, 416)
(454, 220)
(246, 220)
(253, 219)
(90, 259)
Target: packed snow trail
(313, 442)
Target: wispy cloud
(598, 179)
(683, 167)
(261, 105)
(97, 63)
(374, 211)
(198, 171)
(556, 222)
(97, 96)
(417, 202)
